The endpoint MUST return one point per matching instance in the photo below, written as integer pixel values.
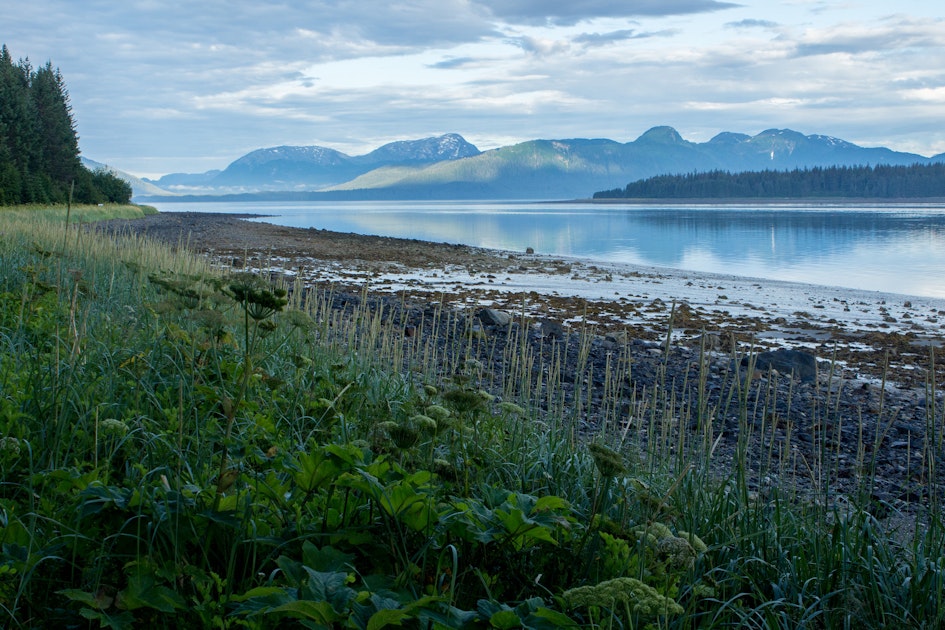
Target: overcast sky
(161, 86)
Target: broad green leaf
(388, 617)
(259, 591)
(143, 591)
(317, 470)
(326, 559)
(319, 612)
(122, 621)
(548, 503)
(547, 618)
(505, 619)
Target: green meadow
(184, 447)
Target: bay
(890, 248)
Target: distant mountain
(139, 187)
(552, 169)
(451, 146)
(313, 167)
(448, 167)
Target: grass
(79, 213)
(180, 447)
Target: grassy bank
(77, 213)
(181, 448)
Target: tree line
(39, 147)
(880, 181)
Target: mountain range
(449, 167)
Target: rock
(493, 317)
(618, 337)
(712, 342)
(550, 329)
(801, 365)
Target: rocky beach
(823, 378)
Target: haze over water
(897, 249)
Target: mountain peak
(450, 146)
(729, 138)
(662, 135)
(781, 134)
(311, 154)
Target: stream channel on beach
(898, 248)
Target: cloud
(570, 12)
(222, 77)
(597, 39)
(752, 23)
(894, 34)
(541, 45)
(453, 62)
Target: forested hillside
(39, 148)
(881, 182)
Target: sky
(161, 86)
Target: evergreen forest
(880, 182)
(39, 147)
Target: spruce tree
(58, 143)
(39, 148)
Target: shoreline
(872, 354)
(859, 328)
(768, 201)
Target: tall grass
(182, 448)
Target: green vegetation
(39, 149)
(880, 182)
(181, 447)
(79, 213)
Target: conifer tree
(39, 148)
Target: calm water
(899, 249)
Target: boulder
(800, 364)
(493, 317)
(550, 329)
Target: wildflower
(425, 424)
(210, 319)
(609, 462)
(430, 390)
(652, 533)
(299, 319)
(639, 598)
(266, 326)
(659, 530)
(473, 365)
(441, 415)
(677, 552)
(260, 300)
(402, 435)
(464, 400)
(438, 412)
(694, 540)
(511, 408)
(10, 445)
(112, 426)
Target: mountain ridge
(449, 167)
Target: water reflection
(898, 249)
